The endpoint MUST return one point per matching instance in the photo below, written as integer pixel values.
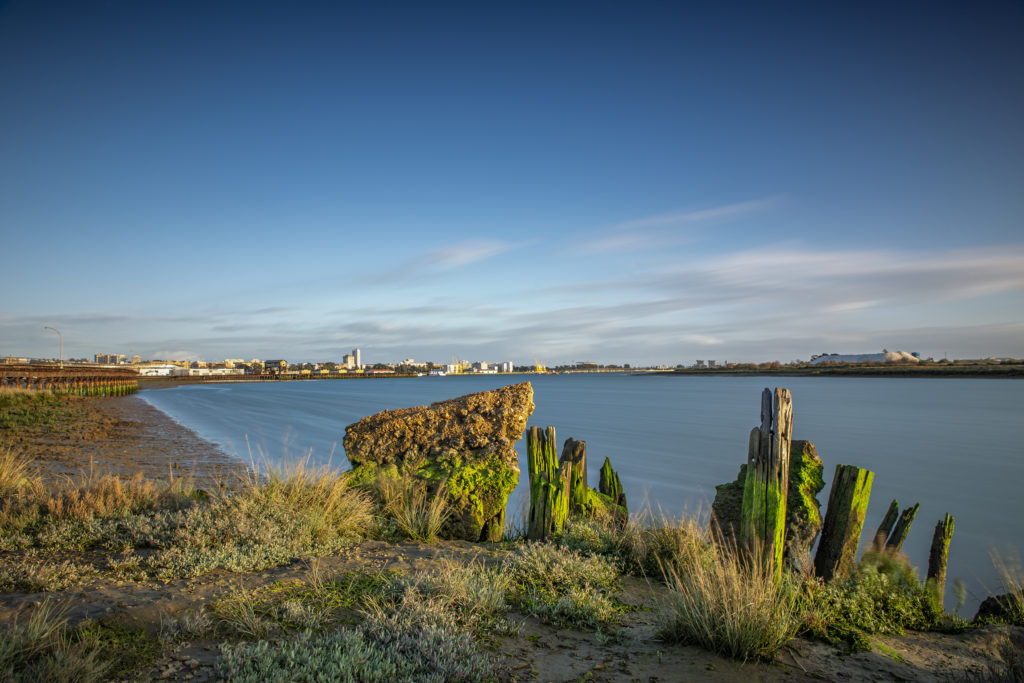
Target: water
(951, 444)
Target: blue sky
(647, 183)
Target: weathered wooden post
(939, 554)
(844, 518)
(885, 528)
(611, 486)
(549, 485)
(902, 530)
(763, 515)
(575, 454)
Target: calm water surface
(951, 444)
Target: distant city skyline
(649, 183)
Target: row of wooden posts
(763, 516)
(78, 385)
(558, 485)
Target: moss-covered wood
(766, 489)
(844, 520)
(611, 486)
(902, 530)
(575, 454)
(939, 554)
(549, 485)
(885, 528)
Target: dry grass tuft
(418, 515)
(731, 606)
(43, 649)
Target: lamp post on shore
(60, 345)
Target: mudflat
(123, 436)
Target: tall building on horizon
(359, 358)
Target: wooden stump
(763, 516)
(885, 528)
(938, 555)
(574, 453)
(844, 519)
(549, 485)
(902, 530)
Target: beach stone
(803, 510)
(466, 443)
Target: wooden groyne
(74, 381)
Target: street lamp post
(60, 345)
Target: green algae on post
(844, 519)
(763, 520)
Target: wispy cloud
(726, 210)
(662, 230)
(443, 259)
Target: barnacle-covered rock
(464, 446)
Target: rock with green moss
(803, 510)
(464, 446)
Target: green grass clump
(564, 587)
(731, 606)
(36, 410)
(43, 648)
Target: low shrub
(643, 545)
(882, 596)
(564, 587)
(416, 639)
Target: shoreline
(124, 436)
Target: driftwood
(763, 515)
(549, 485)
(844, 519)
(938, 555)
(902, 530)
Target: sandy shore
(124, 436)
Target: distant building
(712, 363)
(349, 361)
(110, 358)
(700, 364)
(883, 357)
(136, 359)
(275, 367)
(358, 357)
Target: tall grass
(43, 649)
(266, 520)
(1011, 578)
(731, 606)
(418, 515)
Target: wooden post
(885, 528)
(902, 530)
(549, 485)
(763, 516)
(574, 453)
(938, 555)
(844, 519)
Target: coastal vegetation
(281, 573)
